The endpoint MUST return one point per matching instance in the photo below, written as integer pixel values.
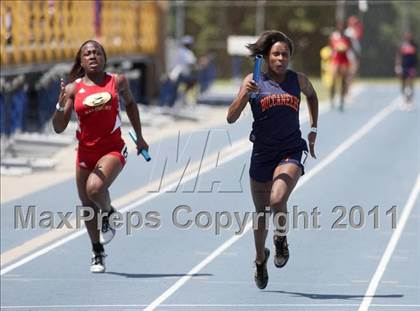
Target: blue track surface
(329, 269)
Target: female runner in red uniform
(101, 154)
(340, 63)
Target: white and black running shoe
(282, 251)
(97, 264)
(261, 273)
(106, 233)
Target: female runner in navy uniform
(279, 151)
(405, 68)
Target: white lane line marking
(238, 152)
(278, 305)
(373, 285)
(352, 139)
(241, 150)
(196, 269)
(315, 170)
(52, 236)
(42, 251)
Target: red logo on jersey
(279, 100)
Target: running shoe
(282, 251)
(107, 233)
(261, 274)
(97, 264)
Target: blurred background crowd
(163, 46)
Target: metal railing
(50, 31)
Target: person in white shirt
(354, 32)
(182, 69)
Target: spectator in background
(182, 70)
(207, 72)
(405, 68)
(340, 45)
(354, 32)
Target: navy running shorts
(263, 163)
(409, 72)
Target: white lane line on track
(241, 150)
(238, 306)
(41, 242)
(352, 139)
(373, 285)
(376, 119)
(238, 152)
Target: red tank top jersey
(97, 108)
(340, 45)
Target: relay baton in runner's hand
(143, 152)
(257, 72)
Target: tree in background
(308, 23)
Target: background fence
(40, 38)
(51, 31)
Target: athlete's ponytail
(77, 71)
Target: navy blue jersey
(276, 114)
(408, 51)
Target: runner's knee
(278, 199)
(95, 190)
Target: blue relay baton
(257, 72)
(143, 152)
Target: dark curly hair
(267, 40)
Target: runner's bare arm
(312, 101)
(131, 109)
(64, 107)
(239, 103)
